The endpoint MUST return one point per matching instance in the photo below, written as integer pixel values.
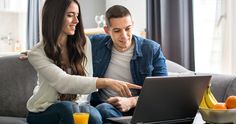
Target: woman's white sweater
(53, 80)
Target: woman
(64, 65)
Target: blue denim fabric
(147, 60)
(107, 111)
(95, 116)
(61, 113)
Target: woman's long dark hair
(52, 23)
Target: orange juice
(81, 118)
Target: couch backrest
(222, 86)
(17, 80)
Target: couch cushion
(12, 120)
(17, 80)
(231, 90)
(222, 86)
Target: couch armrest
(176, 69)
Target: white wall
(137, 9)
(89, 9)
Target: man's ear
(106, 29)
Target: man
(124, 56)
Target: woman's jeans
(61, 113)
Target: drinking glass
(98, 20)
(102, 17)
(81, 116)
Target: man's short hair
(116, 11)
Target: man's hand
(124, 104)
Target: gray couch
(18, 78)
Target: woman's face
(70, 19)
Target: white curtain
(229, 43)
(227, 52)
(215, 29)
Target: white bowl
(218, 116)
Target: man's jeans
(107, 111)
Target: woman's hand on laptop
(124, 104)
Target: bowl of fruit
(218, 116)
(213, 111)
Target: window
(13, 14)
(213, 33)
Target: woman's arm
(74, 84)
(121, 87)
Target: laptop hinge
(174, 121)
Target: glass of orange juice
(82, 116)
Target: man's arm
(159, 63)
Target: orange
(219, 106)
(231, 102)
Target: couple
(67, 70)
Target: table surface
(198, 119)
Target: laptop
(169, 99)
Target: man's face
(120, 30)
